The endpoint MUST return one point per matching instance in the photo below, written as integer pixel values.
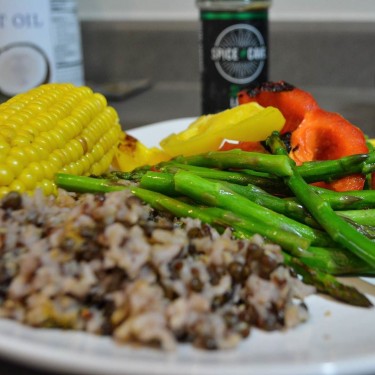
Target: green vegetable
(216, 194)
(322, 233)
(277, 165)
(327, 284)
(340, 231)
(348, 200)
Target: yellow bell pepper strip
(131, 153)
(247, 122)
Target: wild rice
(110, 265)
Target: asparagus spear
(293, 242)
(311, 171)
(268, 182)
(275, 164)
(159, 182)
(269, 168)
(340, 231)
(362, 220)
(222, 218)
(365, 217)
(81, 184)
(368, 182)
(164, 183)
(327, 284)
(290, 208)
(338, 200)
(347, 200)
(329, 170)
(134, 175)
(216, 194)
(338, 262)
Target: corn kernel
(48, 187)
(21, 141)
(28, 179)
(52, 128)
(4, 191)
(4, 146)
(15, 164)
(20, 154)
(37, 170)
(49, 169)
(32, 153)
(56, 160)
(6, 175)
(17, 185)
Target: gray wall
(309, 53)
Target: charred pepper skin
(316, 134)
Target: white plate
(151, 134)
(337, 340)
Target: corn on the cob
(55, 128)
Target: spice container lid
(232, 4)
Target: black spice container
(233, 49)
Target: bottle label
(234, 54)
(39, 43)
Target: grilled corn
(54, 128)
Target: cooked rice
(110, 265)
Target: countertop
(170, 100)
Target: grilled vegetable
(131, 153)
(328, 136)
(316, 134)
(250, 122)
(55, 128)
(291, 101)
(336, 227)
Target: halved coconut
(22, 67)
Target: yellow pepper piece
(372, 141)
(131, 153)
(247, 122)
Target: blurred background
(331, 10)
(324, 46)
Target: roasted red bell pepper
(245, 146)
(325, 135)
(316, 134)
(292, 102)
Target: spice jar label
(233, 55)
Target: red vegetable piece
(291, 101)
(325, 135)
(244, 146)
